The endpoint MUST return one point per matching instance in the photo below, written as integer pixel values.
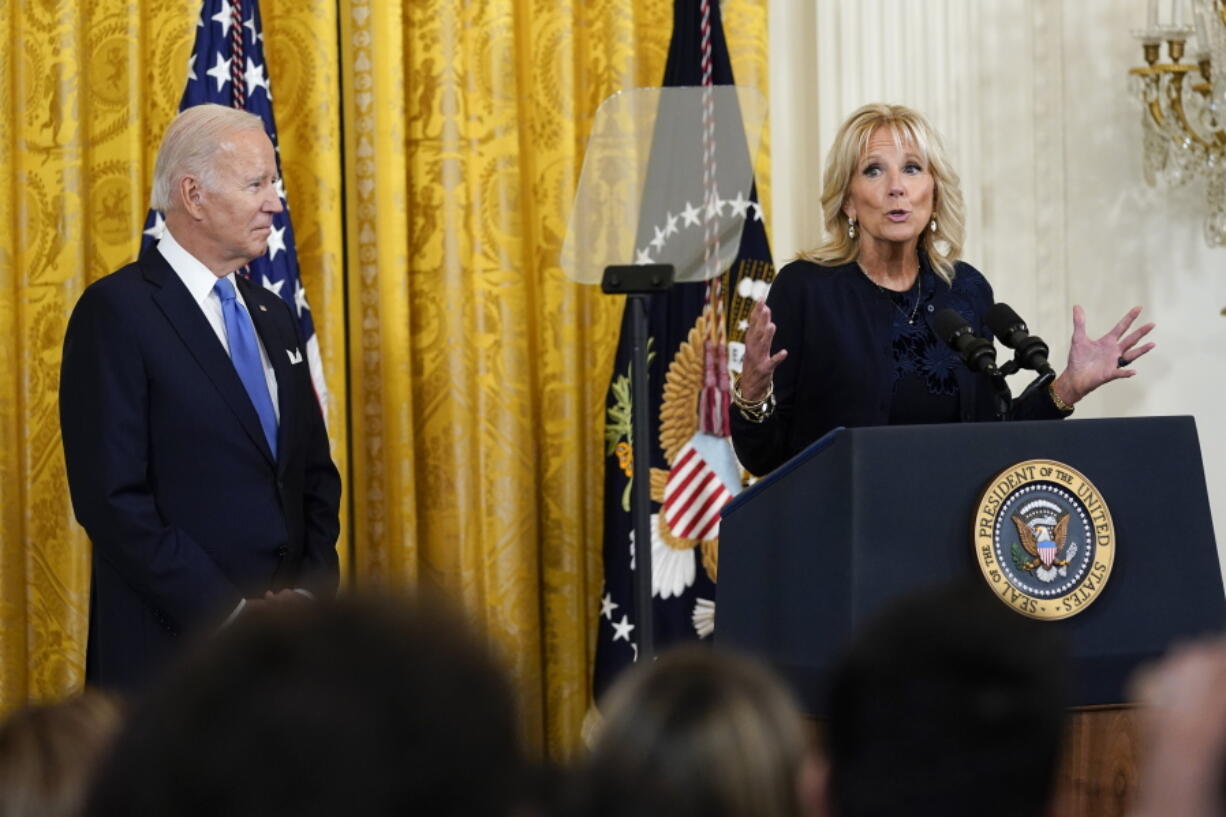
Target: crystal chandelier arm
(1151, 78)
(1175, 98)
(1183, 116)
(1205, 89)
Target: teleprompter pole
(638, 283)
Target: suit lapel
(275, 346)
(189, 323)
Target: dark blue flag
(227, 68)
(693, 468)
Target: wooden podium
(866, 514)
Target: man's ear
(190, 193)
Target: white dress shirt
(200, 282)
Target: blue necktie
(245, 354)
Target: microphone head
(977, 353)
(1003, 321)
(948, 325)
(1008, 326)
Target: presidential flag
(694, 333)
(227, 67)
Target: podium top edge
(834, 435)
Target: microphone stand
(1000, 392)
(1046, 376)
(978, 354)
(1040, 382)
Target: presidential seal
(1044, 539)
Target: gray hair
(189, 145)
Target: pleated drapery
(430, 150)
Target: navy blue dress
(855, 359)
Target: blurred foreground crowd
(946, 704)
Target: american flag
(684, 594)
(227, 68)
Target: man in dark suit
(197, 456)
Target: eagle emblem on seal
(1043, 549)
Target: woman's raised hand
(758, 365)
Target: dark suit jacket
(170, 473)
(840, 368)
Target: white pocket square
(295, 356)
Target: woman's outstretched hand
(1092, 363)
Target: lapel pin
(263, 308)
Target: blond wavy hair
(698, 733)
(909, 127)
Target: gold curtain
(81, 87)
(479, 372)
(467, 375)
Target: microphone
(1029, 351)
(978, 354)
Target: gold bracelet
(739, 400)
(755, 411)
(759, 414)
(1055, 398)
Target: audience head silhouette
(698, 733)
(357, 708)
(947, 704)
(49, 753)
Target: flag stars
(191, 68)
(220, 72)
(273, 287)
(607, 606)
(300, 298)
(658, 241)
(225, 17)
(621, 631)
(276, 242)
(157, 228)
(279, 186)
(642, 257)
(256, 78)
(670, 225)
(250, 25)
(690, 214)
(757, 210)
(739, 205)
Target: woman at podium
(847, 335)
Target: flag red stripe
(699, 492)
